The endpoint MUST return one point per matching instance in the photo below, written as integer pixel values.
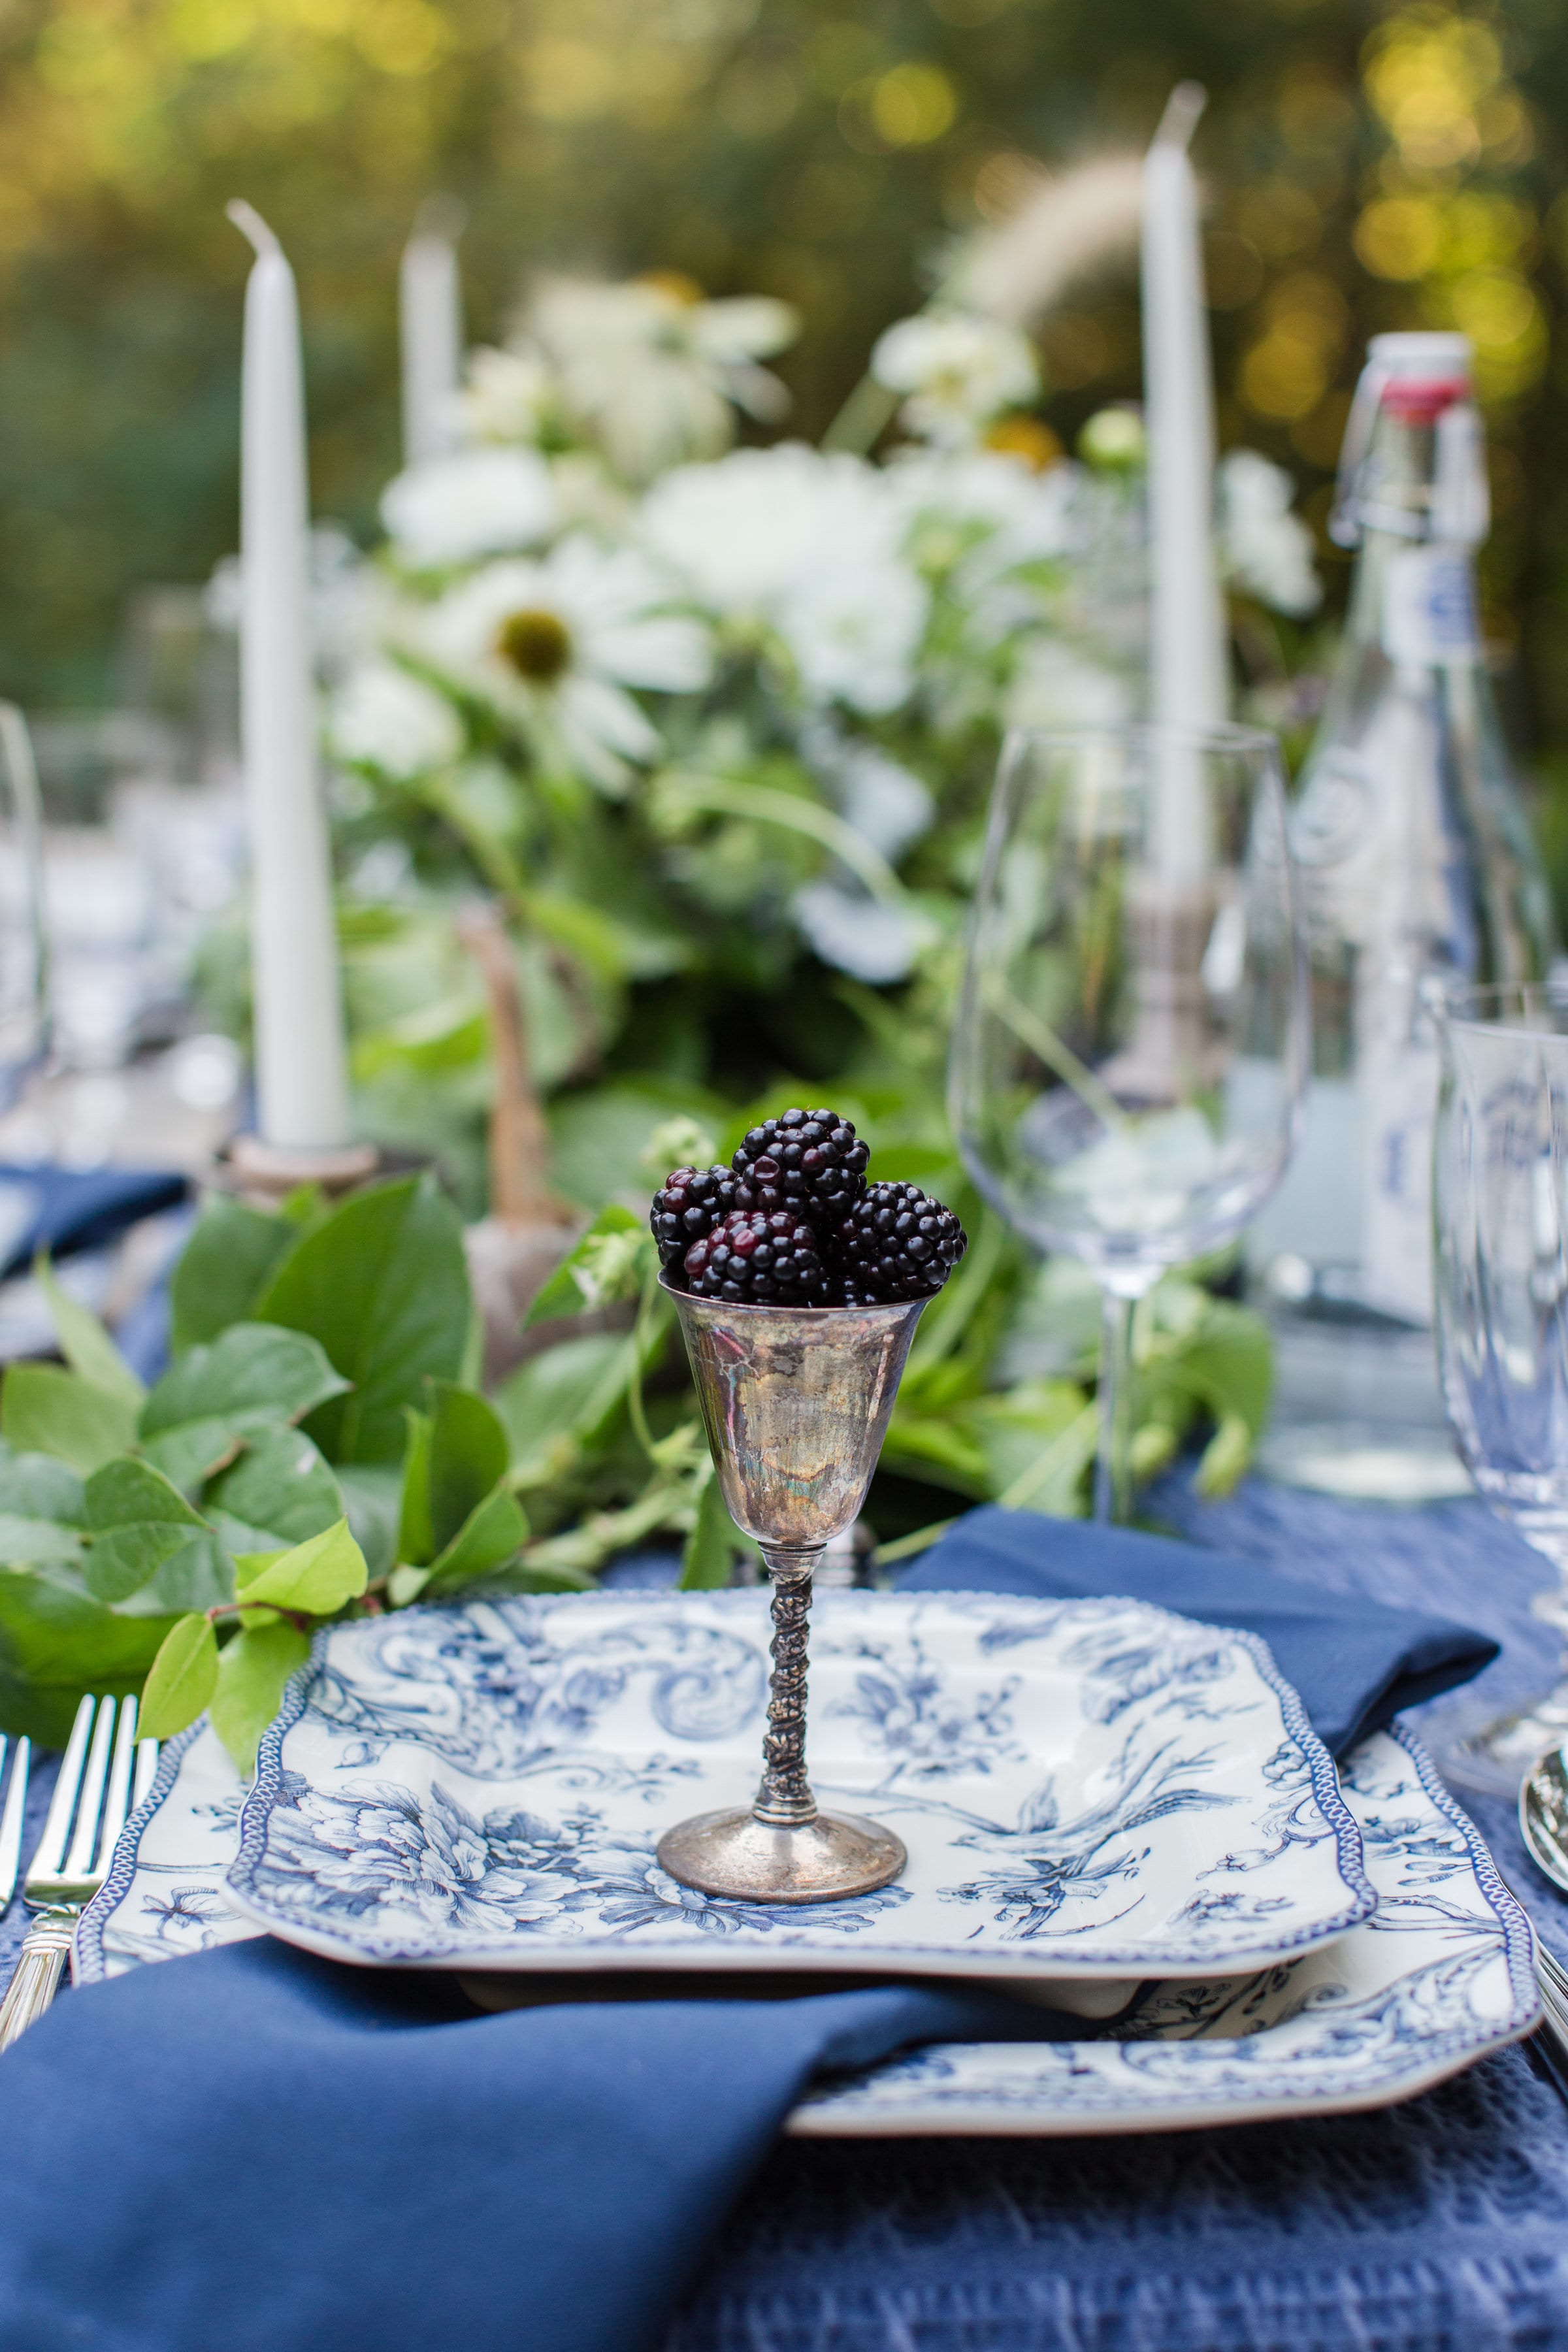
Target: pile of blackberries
(794, 1222)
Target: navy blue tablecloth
(1440, 2224)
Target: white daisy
(384, 719)
(652, 371)
(478, 503)
(555, 645)
(956, 371)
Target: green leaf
(223, 1266)
(563, 1295)
(493, 1532)
(557, 1401)
(24, 1542)
(145, 1537)
(316, 1577)
(712, 1545)
(84, 1343)
(45, 1410)
(416, 1530)
(383, 1284)
(279, 1493)
(36, 1487)
(56, 1643)
(1231, 1365)
(42, 1508)
(251, 1675)
(181, 1680)
(369, 1494)
(468, 1457)
(1226, 1458)
(257, 1376)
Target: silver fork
(11, 1819)
(103, 1774)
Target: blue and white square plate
(1439, 1976)
(1087, 1789)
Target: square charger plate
(1441, 1974)
(1088, 1789)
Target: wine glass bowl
(1130, 1047)
(1500, 1286)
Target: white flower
(852, 632)
(1055, 686)
(652, 371)
(858, 934)
(507, 396)
(386, 719)
(557, 643)
(1266, 551)
(958, 372)
(808, 546)
(979, 516)
(882, 800)
(478, 503)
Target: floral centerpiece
(714, 728)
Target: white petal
(859, 935)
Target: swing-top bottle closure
(1423, 383)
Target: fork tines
(104, 1773)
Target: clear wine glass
(1131, 1040)
(1500, 1240)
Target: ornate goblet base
(796, 1400)
(817, 1861)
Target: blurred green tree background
(1367, 167)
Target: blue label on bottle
(1428, 607)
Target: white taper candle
(300, 1064)
(1187, 638)
(430, 325)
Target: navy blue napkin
(256, 2150)
(1357, 1662)
(63, 1210)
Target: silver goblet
(796, 1401)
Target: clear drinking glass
(1131, 1040)
(1501, 1226)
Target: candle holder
(796, 1401)
(265, 1173)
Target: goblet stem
(1113, 1465)
(785, 1795)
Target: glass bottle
(1417, 868)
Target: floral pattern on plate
(1087, 1788)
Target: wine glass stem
(1113, 1468)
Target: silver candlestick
(796, 1401)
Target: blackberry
(897, 1244)
(761, 1257)
(689, 1203)
(810, 1161)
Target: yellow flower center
(677, 285)
(537, 643)
(1025, 437)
